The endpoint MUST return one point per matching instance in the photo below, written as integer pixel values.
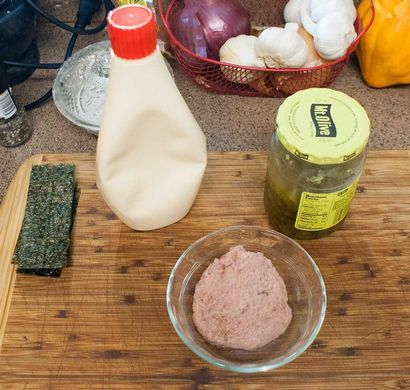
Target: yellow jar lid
(322, 126)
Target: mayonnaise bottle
(151, 152)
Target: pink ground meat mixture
(241, 301)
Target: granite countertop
(229, 122)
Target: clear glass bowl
(304, 284)
(80, 85)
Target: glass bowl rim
(247, 368)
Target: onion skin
(192, 25)
(265, 85)
(292, 82)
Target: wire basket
(216, 76)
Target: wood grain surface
(103, 324)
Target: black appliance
(17, 38)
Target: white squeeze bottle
(151, 152)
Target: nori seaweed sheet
(41, 271)
(42, 247)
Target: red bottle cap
(132, 31)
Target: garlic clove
(314, 59)
(334, 34)
(321, 8)
(240, 50)
(291, 11)
(282, 47)
(308, 24)
(291, 82)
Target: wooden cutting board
(103, 324)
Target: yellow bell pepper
(384, 51)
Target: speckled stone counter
(229, 122)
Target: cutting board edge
(12, 211)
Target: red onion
(203, 26)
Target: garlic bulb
(291, 82)
(240, 51)
(320, 8)
(333, 34)
(282, 47)
(291, 11)
(313, 58)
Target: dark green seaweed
(44, 239)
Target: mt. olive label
(322, 119)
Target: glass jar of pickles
(315, 160)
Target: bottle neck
(132, 62)
(4, 82)
(7, 105)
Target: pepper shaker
(15, 129)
